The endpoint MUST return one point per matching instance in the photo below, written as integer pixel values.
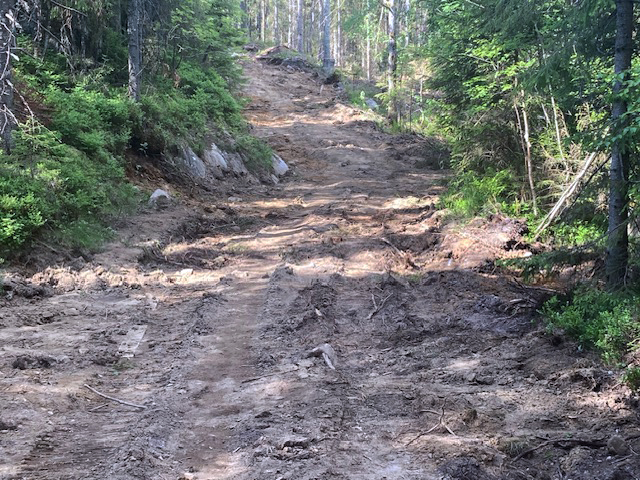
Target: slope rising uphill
(439, 372)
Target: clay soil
(204, 317)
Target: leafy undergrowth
(605, 321)
(64, 178)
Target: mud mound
(283, 56)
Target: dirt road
(203, 318)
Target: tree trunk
(392, 62)
(327, 61)
(135, 53)
(263, 21)
(290, 26)
(300, 26)
(369, 33)
(527, 155)
(7, 41)
(276, 24)
(618, 238)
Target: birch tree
(135, 51)
(7, 39)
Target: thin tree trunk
(327, 61)
(290, 25)
(7, 41)
(276, 24)
(618, 237)
(392, 62)
(263, 21)
(135, 54)
(300, 26)
(527, 156)
(368, 33)
(339, 45)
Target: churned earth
(332, 326)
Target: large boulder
(194, 166)
(215, 161)
(236, 164)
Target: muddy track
(440, 372)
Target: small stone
(371, 103)
(617, 445)
(280, 167)
(159, 199)
(234, 199)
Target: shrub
(471, 194)
(47, 184)
(602, 320)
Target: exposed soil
(203, 317)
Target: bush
(47, 184)
(605, 321)
(93, 122)
(471, 194)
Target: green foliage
(602, 320)
(631, 377)
(48, 184)
(471, 194)
(257, 154)
(95, 123)
(65, 175)
(171, 115)
(579, 232)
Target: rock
(617, 446)
(193, 164)
(234, 199)
(300, 442)
(327, 352)
(236, 164)
(6, 425)
(159, 199)
(214, 159)
(279, 166)
(371, 103)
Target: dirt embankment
(203, 317)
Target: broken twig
(113, 399)
(404, 255)
(439, 424)
(376, 307)
(599, 443)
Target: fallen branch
(254, 379)
(559, 441)
(113, 399)
(558, 208)
(376, 307)
(439, 424)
